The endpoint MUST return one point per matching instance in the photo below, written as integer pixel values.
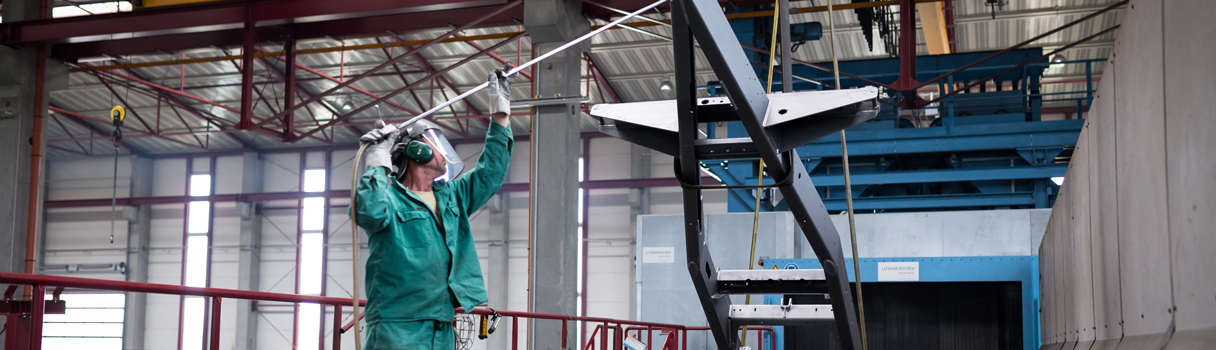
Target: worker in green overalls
(414, 204)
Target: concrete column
(250, 260)
(16, 120)
(496, 273)
(17, 110)
(553, 267)
(139, 234)
(639, 204)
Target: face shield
(428, 131)
(441, 145)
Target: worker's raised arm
(484, 180)
(375, 206)
(481, 183)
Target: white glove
(380, 152)
(500, 90)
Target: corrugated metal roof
(634, 62)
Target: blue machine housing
(982, 149)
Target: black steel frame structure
(702, 21)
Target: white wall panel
(228, 173)
(1107, 220)
(281, 173)
(1083, 291)
(610, 159)
(518, 172)
(1143, 216)
(86, 178)
(1190, 127)
(170, 175)
(340, 169)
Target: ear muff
(419, 151)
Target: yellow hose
(354, 244)
(848, 187)
(772, 55)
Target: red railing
(772, 333)
(16, 330)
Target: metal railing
(40, 283)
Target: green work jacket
(416, 271)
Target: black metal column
(700, 264)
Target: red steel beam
(388, 53)
(246, 70)
(601, 80)
(123, 100)
(426, 65)
(214, 16)
(157, 288)
(174, 92)
(176, 99)
(271, 196)
(289, 87)
(55, 119)
(402, 56)
(140, 133)
(407, 87)
(907, 47)
(178, 114)
(365, 92)
(134, 112)
(498, 58)
(72, 151)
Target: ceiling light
(1058, 180)
(1058, 58)
(347, 104)
(666, 84)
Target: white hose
(354, 243)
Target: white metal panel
(1107, 209)
(1190, 129)
(170, 175)
(228, 174)
(1082, 271)
(609, 159)
(1143, 217)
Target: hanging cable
(354, 243)
(117, 114)
(772, 61)
(848, 186)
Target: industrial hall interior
(607, 174)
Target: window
(92, 321)
(314, 180)
(200, 185)
(578, 302)
(199, 213)
(91, 9)
(312, 258)
(195, 259)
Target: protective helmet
(410, 147)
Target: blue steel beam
(943, 175)
(964, 138)
(907, 176)
(935, 201)
(746, 197)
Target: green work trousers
(412, 335)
